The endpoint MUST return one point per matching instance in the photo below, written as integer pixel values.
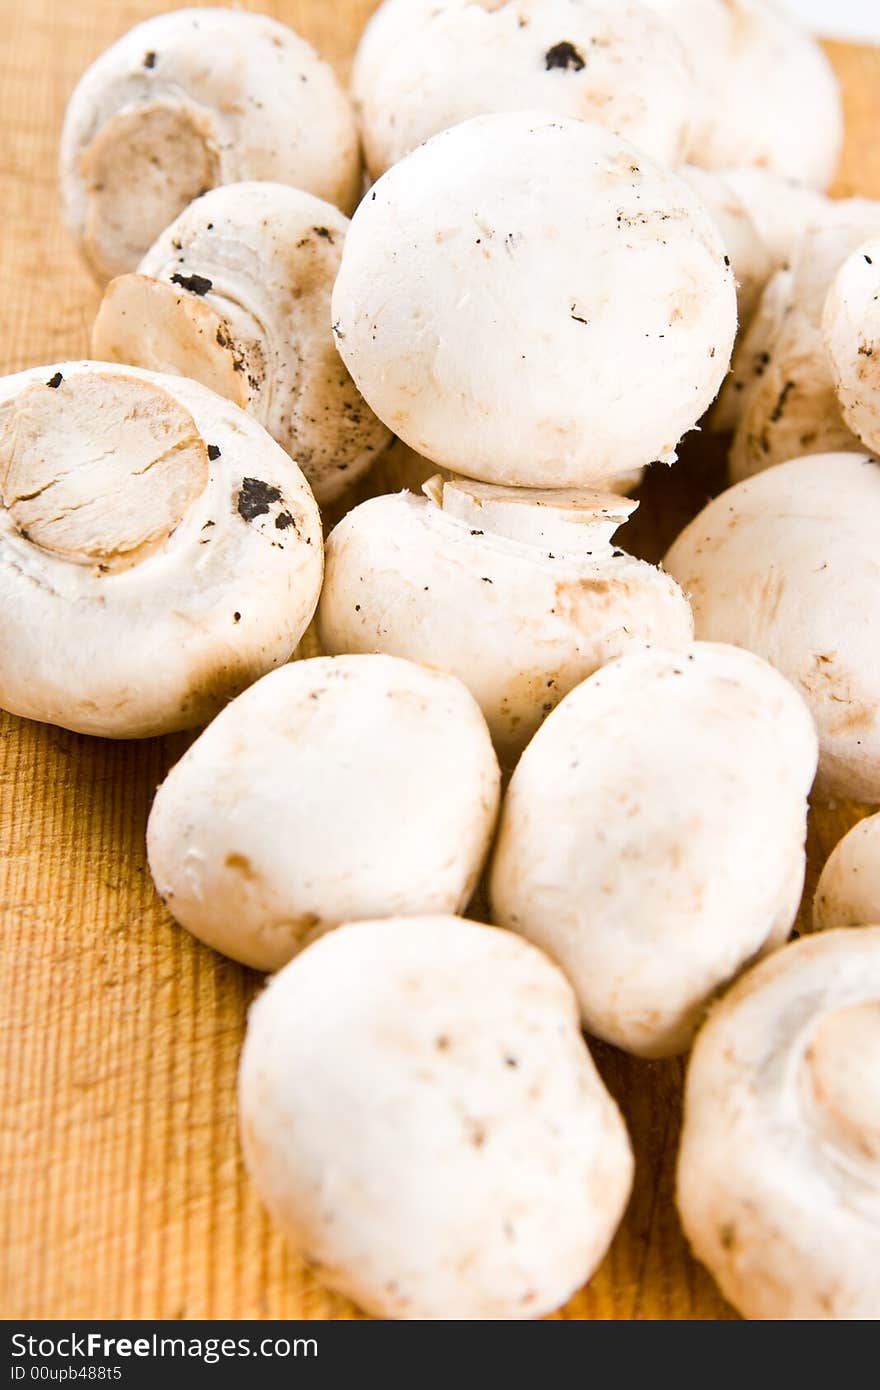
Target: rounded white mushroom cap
(189, 100)
(848, 892)
(469, 311)
(158, 551)
(236, 294)
(770, 97)
(779, 1168)
(752, 262)
(851, 329)
(337, 788)
(786, 564)
(518, 593)
(652, 836)
(422, 1118)
(425, 65)
(788, 406)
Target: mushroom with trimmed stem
(851, 329)
(425, 65)
(779, 1167)
(334, 789)
(787, 406)
(236, 294)
(470, 314)
(848, 892)
(186, 101)
(786, 564)
(158, 550)
(627, 825)
(424, 1122)
(518, 593)
(769, 94)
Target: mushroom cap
(188, 100)
(752, 262)
(770, 96)
(158, 550)
(425, 65)
(851, 332)
(628, 825)
(779, 1167)
(422, 1118)
(789, 407)
(517, 593)
(338, 788)
(848, 892)
(786, 564)
(236, 294)
(469, 311)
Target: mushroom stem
(566, 521)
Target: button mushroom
(425, 65)
(848, 893)
(424, 1122)
(851, 328)
(520, 594)
(158, 551)
(189, 100)
(788, 406)
(779, 1168)
(786, 565)
(335, 789)
(236, 293)
(627, 825)
(470, 312)
(769, 94)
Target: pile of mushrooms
(577, 205)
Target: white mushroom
(752, 262)
(189, 100)
(779, 1168)
(769, 94)
(425, 65)
(236, 294)
(520, 594)
(789, 407)
(424, 1122)
(652, 837)
(848, 893)
(470, 311)
(787, 565)
(851, 329)
(332, 790)
(158, 551)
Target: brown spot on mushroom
(196, 284)
(255, 498)
(564, 55)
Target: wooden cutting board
(121, 1188)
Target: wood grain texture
(121, 1188)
